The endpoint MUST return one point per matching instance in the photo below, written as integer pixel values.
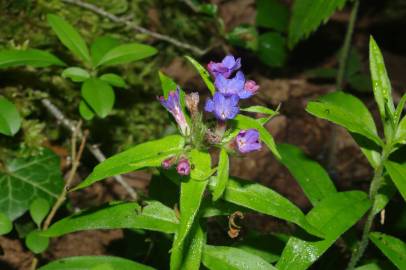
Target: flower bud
(183, 167)
(167, 163)
(192, 103)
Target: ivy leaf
(203, 73)
(10, 120)
(69, 37)
(99, 95)
(26, 179)
(312, 178)
(222, 175)
(89, 262)
(397, 173)
(119, 215)
(149, 154)
(332, 217)
(76, 74)
(307, 15)
(392, 247)
(29, 57)
(224, 258)
(126, 53)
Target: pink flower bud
(183, 167)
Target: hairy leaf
(397, 173)
(222, 175)
(392, 247)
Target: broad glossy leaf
(222, 175)
(272, 49)
(347, 111)
(26, 179)
(229, 258)
(332, 217)
(149, 154)
(39, 209)
(5, 224)
(272, 14)
(264, 200)
(380, 81)
(312, 178)
(76, 74)
(101, 46)
(114, 80)
(392, 247)
(245, 122)
(10, 120)
(167, 84)
(153, 216)
(397, 173)
(99, 95)
(29, 57)
(89, 262)
(69, 37)
(85, 111)
(126, 53)
(203, 73)
(307, 15)
(36, 242)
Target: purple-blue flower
(248, 140)
(223, 107)
(226, 67)
(172, 104)
(234, 86)
(250, 88)
(183, 167)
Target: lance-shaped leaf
(25, 179)
(347, 111)
(264, 200)
(167, 84)
(149, 154)
(126, 53)
(312, 178)
(400, 136)
(225, 258)
(222, 175)
(101, 46)
(94, 263)
(153, 216)
(203, 73)
(380, 81)
(10, 120)
(397, 173)
(392, 247)
(99, 95)
(332, 216)
(29, 57)
(69, 37)
(245, 122)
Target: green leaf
(191, 194)
(260, 109)
(203, 73)
(272, 49)
(322, 73)
(101, 46)
(26, 179)
(126, 53)
(222, 175)
(380, 81)
(245, 122)
(5, 224)
(392, 247)
(39, 209)
(149, 154)
(36, 243)
(69, 37)
(167, 84)
(85, 111)
(245, 36)
(397, 173)
(118, 215)
(332, 217)
(347, 111)
(272, 14)
(229, 258)
(10, 120)
(307, 15)
(99, 96)
(264, 200)
(312, 178)
(29, 57)
(369, 266)
(89, 262)
(76, 74)
(399, 109)
(114, 80)
(201, 165)
(400, 136)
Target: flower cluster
(231, 86)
